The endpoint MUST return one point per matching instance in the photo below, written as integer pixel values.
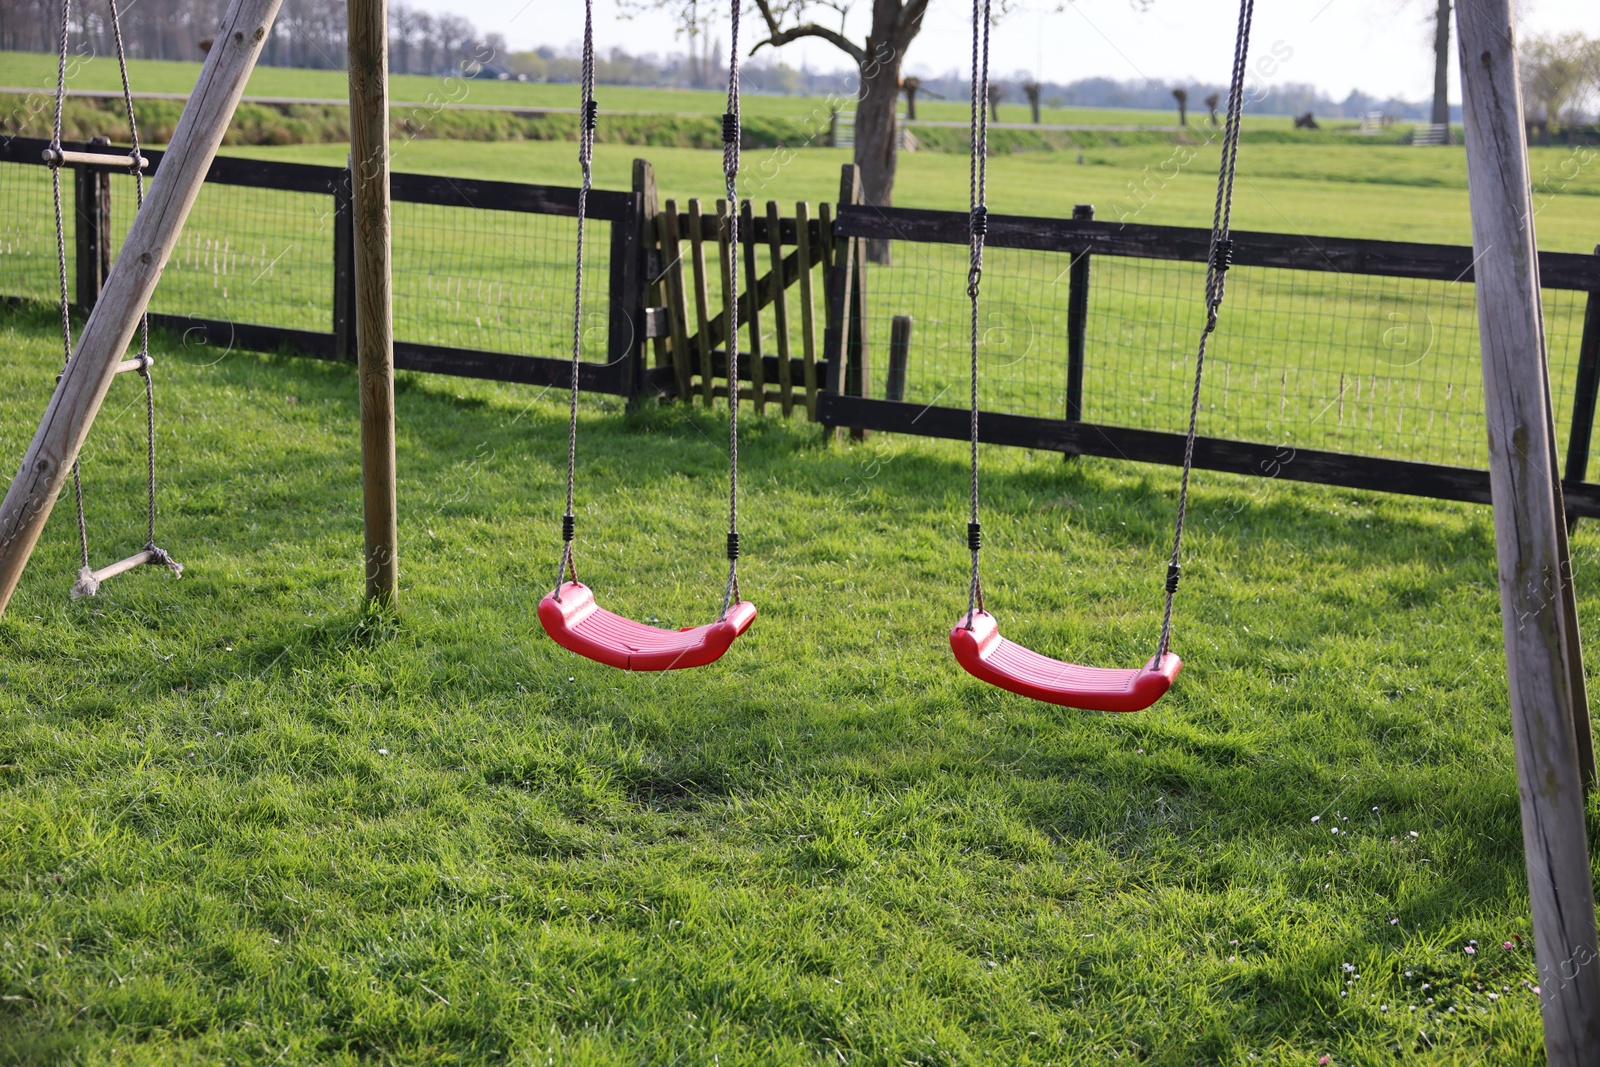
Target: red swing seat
(579, 625)
(991, 658)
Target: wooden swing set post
(369, 173)
(128, 287)
(1543, 655)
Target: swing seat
(579, 625)
(991, 658)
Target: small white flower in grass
(1413, 1007)
(383, 752)
(1394, 922)
(1348, 967)
(1335, 829)
(1469, 950)
(1536, 989)
(1494, 996)
(1233, 959)
(1414, 833)
(1507, 945)
(1426, 986)
(1316, 818)
(1382, 1007)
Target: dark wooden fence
(667, 331)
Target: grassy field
(240, 822)
(38, 70)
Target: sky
(1382, 47)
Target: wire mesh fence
(1341, 362)
(467, 278)
(497, 281)
(28, 232)
(1354, 363)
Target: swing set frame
(1543, 653)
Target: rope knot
(979, 223)
(1174, 572)
(568, 524)
(733, 546)
(730, 128)
(974, 536)
(591, 114)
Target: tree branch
(778, 36)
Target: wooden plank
(780, 309)
(752, 274)
(824, 245)
(1150, 446)
(1396, 259)
(369, 151)
(1542, 647)
(677, 306)
(555, 372)
(808, 314)
(766, 291)
(110, 327)
(702, 293)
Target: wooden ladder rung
(61, 157)
(138, 559)
(137, 363)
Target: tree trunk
(877, 135)
(1441, 68)
(911, 105)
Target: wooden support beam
(1541, 645)
(127, 291)
(369, 154)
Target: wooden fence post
(838, 285)
(808, 312)
(369, 152)
(672, 290)
(149, 244)
(894, 386)
(706, 346)
(780, 308)
(91, 202)
(857, 362)
(1077, 320)
(625, 327)
(752, 291)
(1541, 647)
(1584, 393)
(344, 269)
(644, 183)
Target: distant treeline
(307, 33)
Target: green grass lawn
(241, 823)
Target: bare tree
(1441, 68)
(1182, 97)
(997, 93)
(1034, 91)
(911, 86)
(1212, 100)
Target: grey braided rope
(977, 206)
(730, 172)
(585, 160)
(84, 571)
(1216, 272)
